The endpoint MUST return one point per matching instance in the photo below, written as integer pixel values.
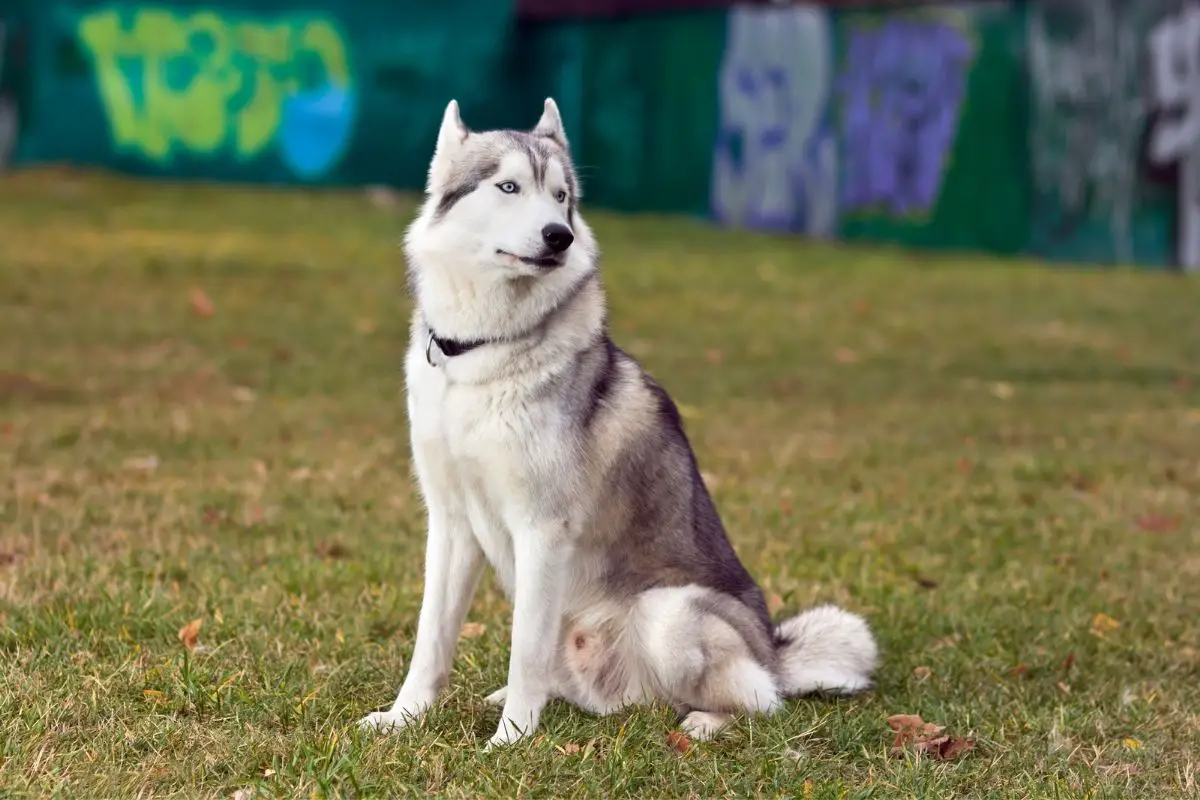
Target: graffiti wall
(1100, 194)
(1064, 128)
(202, 84)
(253, 91)
(872, 124)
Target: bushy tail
(826, 649)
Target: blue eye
(508, 187)
(561, 196)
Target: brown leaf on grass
(570, 748)
(925, 583)
(862, 307)
(1157, 523)
(190, 634)
(964, 465)
(844, 355)
(714, 356)
(921, 673)
(332, 550)
(201, 303)
(1020, 670)
(1102, 624)
(679, 742)
(925, 738)
(955, 748)
(1063, 687)
(774, 603)
(1068, 662)
(6, 430)
(472, 630)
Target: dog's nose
(557, 237)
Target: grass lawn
(201, 418)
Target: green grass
(981, 456)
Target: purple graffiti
(901, 88)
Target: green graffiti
(202, 82)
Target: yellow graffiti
(201, 82)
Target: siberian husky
(543, 449)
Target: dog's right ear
(450, 138)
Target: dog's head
(502, 200)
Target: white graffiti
(9, 120)
(1174, 45)
(775, 160)
(1088, 111)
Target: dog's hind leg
(706, 653)
(453, 564)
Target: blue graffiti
(775, 157)
(900, 92)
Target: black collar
(449, 347)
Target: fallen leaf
(947, 641)
(570, 748)
(1158, 523)
(472, 630)
(1081, 483)
(774, 603)
(964, 465)
(6, 428)
(679, 742)
(955, 748)
(190, 634)
(202, 304)
(154, 696)
(922, 672)
(332, 550)
(243, 394)
(1062, 687)
(862, 307)
(925, 583)
(714, 356)
(1002, 390)
(844, 355)
(927, 738)
(1133, 744)
(1020, 670)
(1102, 623)
(1068, 662)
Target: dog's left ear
(550, 125)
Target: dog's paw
(497, 697)
(504, 736)
(387, 721)
(705, 725)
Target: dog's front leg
(542, 565)
(453, 564)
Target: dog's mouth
(545, 262)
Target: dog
(543, 449)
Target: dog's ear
(551, 125)
(451, 136)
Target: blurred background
(1063, 129)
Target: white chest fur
(494, 458)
